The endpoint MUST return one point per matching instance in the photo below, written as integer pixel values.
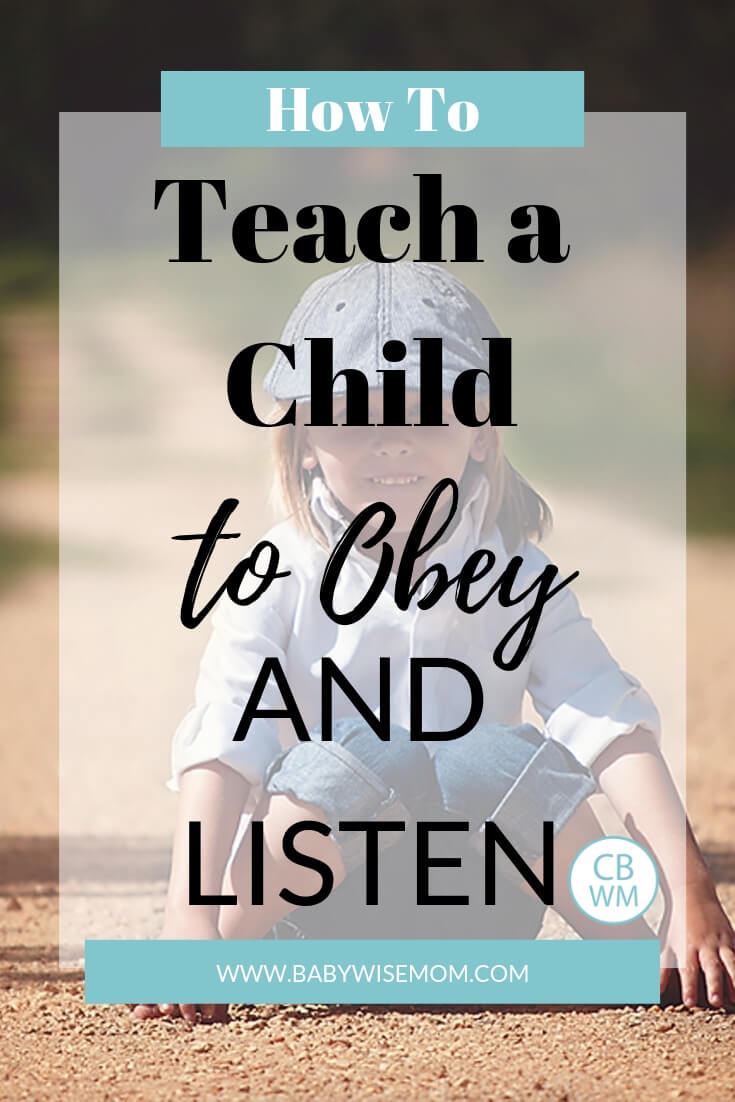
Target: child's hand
(700, 941)
(186, 923)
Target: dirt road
(54, 1046)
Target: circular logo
(613, 880)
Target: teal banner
(421, 971)
(357, 108)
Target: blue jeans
(512, 775)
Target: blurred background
(104, 56)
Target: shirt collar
(465, 534)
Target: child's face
(395, 464)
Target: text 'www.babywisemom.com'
(350, 974)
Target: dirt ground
(55, 1046)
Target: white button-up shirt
(583, 696)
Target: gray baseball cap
(365, 305)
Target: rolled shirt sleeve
(242, 638)
(584, 697)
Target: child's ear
(308, 460)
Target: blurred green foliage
(28, 273)
(22, 551)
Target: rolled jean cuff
(332, 778)
(550, 787)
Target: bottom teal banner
(416, 971)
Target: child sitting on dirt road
(601, 727)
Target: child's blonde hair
(518, 510)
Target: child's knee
(513, 775)
(476, 771)
(356, 776)
(402, 764)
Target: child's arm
(213, 795)
(634, 777)
(588, 703)
(214, 772)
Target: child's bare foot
(185, 924)
(190, 1012)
